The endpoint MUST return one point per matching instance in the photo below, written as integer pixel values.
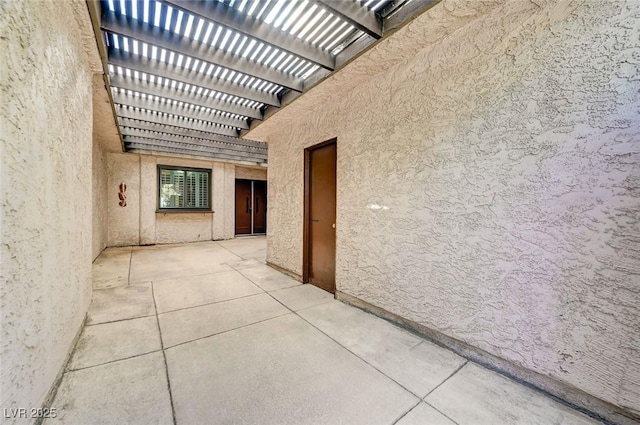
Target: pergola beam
(195, 147)
(152, 144)
(171, 93)
(236, 149)
(129, 112)
(154, 150)
(119, 24)
(160, 69)
(355, 14)
(186, 132)
(407, 12)
(229, 17)
(154, 105)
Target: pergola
(192, 77)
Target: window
(183, 188)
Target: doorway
(251, 207)
(319, 245)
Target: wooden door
(259, 206)
(243, 207)
(321, 204)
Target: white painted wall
(139, 223)
(46, 189)
(502, 142)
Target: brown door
(243, 207)
(259, 206)
(321, 204)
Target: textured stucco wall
(139, 223)
(251, 173)
(229, 211)
(488, 183)
(148, 199)
(123, 221)
(105, 139)
(99, 192)
(46, 140)
(99, 169)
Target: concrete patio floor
(207, 333)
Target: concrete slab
(128, 302)
(413, 362)
(423, 414)
(280, 371)
(111, 268)
(191, 291)
(302, 296)
(478, 396)
(109, 342)
(247, 247)
(173, 261)
(193, 323)
(268, 278)
(246, 264)
(131, 391)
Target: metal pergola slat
(151, 67)
(197, 150)
(152, 89)
(136, 101)
(187, 132)
(189, 77)
(118, 24)
(240, 150)
(194, 146)
(191, 124)
(227, 16)
(356, 15)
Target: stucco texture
(139, 223)
(251, 173)
(46, 132)
(488, 183)
(105, 139)
(99, 209)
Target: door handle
(333, 225)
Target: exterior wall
(488, 183)
(99, 190)
(105, 139)
(139, 223)
(229, 205)
(46, 246)
(124, 222)
(251, 173)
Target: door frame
(251, 209)
(307, 203)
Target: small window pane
(187, 189)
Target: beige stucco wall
(251, 173)
(139, 224)
(123, 222)
(46, 185)
(99, 199)
(105, 139)
(488, 183)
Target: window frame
(160, 208)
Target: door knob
(333, 225)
